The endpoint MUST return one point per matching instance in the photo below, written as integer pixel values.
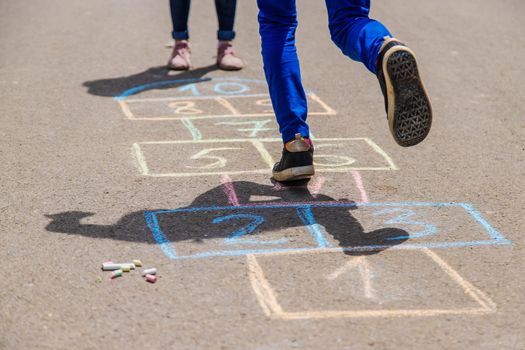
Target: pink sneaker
(180, 56)
(226, 59)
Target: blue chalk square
(331, 226)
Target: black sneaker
(297, 161)
(406, 102)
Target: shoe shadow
(112, 87)
(212, 220)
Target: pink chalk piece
(151, 278)
(229, 190)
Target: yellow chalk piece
(137, 263)
(126, 268)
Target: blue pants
(358, 37)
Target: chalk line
(358, 180)
(229, 190)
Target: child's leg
(180, 10)
(408, 108)
(226, 57)
(277, 25)
(358, 36)
(226, 16)
(181, 54)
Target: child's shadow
(214, 223)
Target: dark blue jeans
(180, 10)
(358, 37)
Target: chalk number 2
(236, 237)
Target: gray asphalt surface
(79, 177)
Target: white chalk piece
(152, 271)
(109, 266)
(113, 266)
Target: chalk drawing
(361, 264)
(235, 237)
(269, 303)
(303, 210)
(383, 163)
(229, 190)
(258, 126)
(359, 185)
(220, 162)
(195, 133)
(135, 108)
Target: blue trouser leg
(358, 37)
(277, 25)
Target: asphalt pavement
(108, 156)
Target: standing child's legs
(181, 54)
(226, 58)
(226, 17)
(180, 10)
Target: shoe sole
(409, 109)
(293, 174)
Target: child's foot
(296, 162)
(226, 59)
(180, 56)
(407, 105)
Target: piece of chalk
(109, 266)
(152, 271)
(126, 268)
(137, 263)
(114, 266)
(151, 278)
(116, 273)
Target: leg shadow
(264, 209)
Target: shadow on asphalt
(115, 86)
(198, 226)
